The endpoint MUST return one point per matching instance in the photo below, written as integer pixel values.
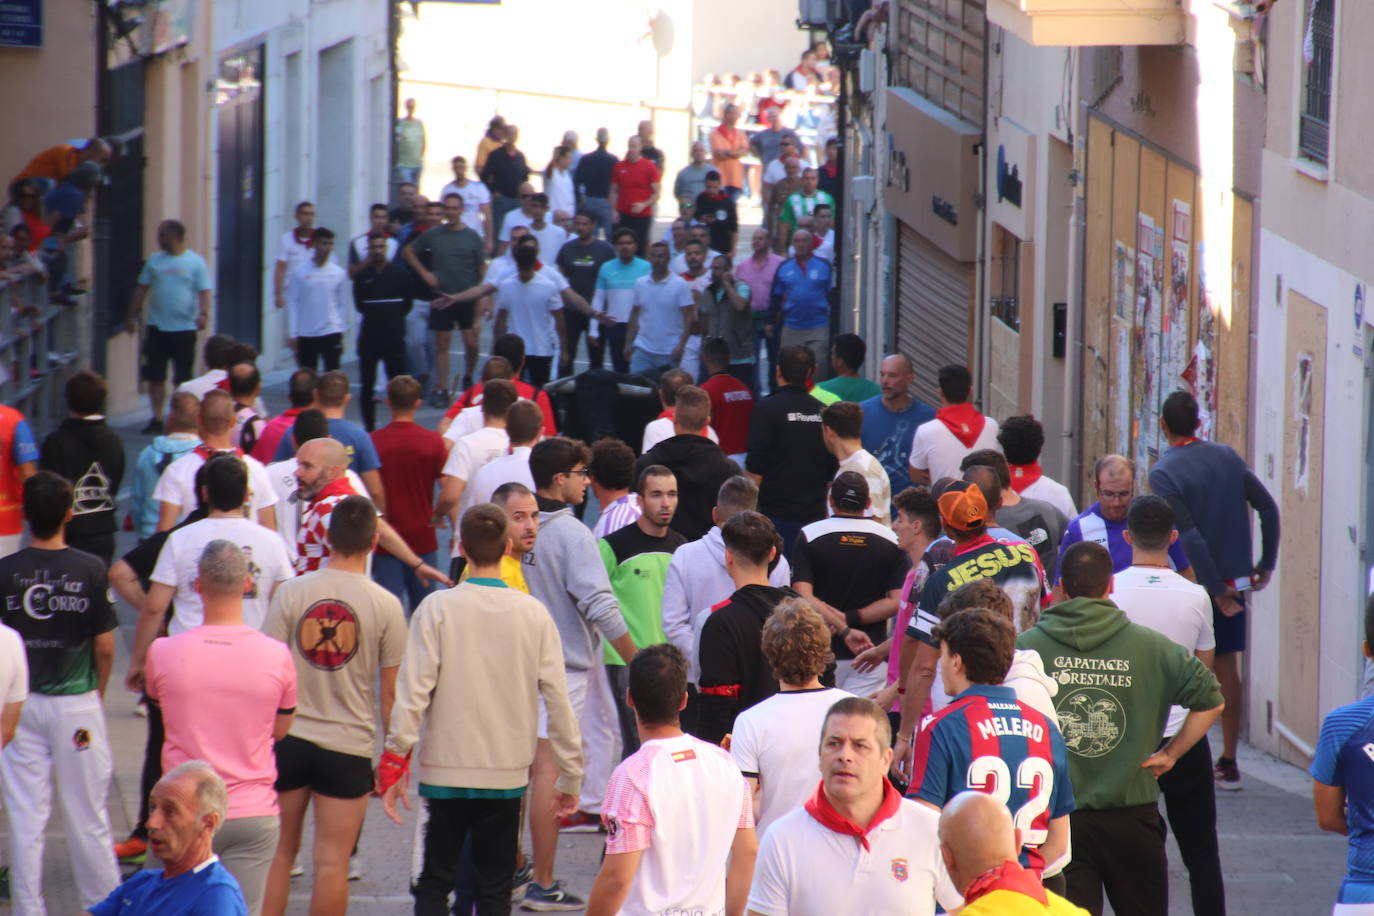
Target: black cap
(849, 491)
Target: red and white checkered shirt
(312, 542)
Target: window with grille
(1314, 124)
(1004, 282)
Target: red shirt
(634, 181)
(412, 461)
(272, 434)
(732, 404)
(473, 396)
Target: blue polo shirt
(208, 890)
(1343, 759)
(802, 292)
(615, 286)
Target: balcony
(1092, 22)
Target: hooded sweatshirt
(1117, 680)
(700, 468)
(566, 573)
(734, 673)
(152, 461)
(697, 581)
(90, 455)
(1033, 686)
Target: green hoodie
(1116, 682)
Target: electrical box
(863, 190)
(868, 67)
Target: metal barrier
(38, 351)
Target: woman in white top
(558, 184)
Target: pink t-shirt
(220, 689)
(904, 609)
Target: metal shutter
(933, 326)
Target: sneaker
(581, 822)
(355, 869)
(521, 880)
(549, 899)
(297, 869)
(141, 709)
(1227, 774)
(4, 882)
(132, 851)
(154, 427)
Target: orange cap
(962, 507)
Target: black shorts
(459, 315)
(159, 346)
(302, 764)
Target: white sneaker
(355, 869)
(297, 869)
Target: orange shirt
(727, 139)
(54, 162)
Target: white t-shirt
(551, 238)
(177, 485)
(660, 305)
(562, 195)
(468, 421)
(282, 475)
(806, 869)
(1054, 493)
(679, 802)
(655, 431)
(497, 472)
(468, 456)
(292, 251)
(776, 741)
(475, 195)
(202, 385)
(1167, 603)
(530, 307)
(268, 564)
(863, 463)
(503, 268)
(14, 667)
(510, 221)
(934, 448)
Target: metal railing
(38, 351)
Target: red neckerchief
(721, 196)
(1009, 876)
(819, 807)
(308, 241)
(981, 540)
(206, 452)
(223, 384)
(964, 421)
(538, 265)
(338, 487)
(1023, 475)
(291, 412)
(831, 168)
(1188, 441)
(666, 415)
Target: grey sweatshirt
(566, 573)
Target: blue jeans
(600, 207)
(419, 341)
(642, 361)
(399, 579)
(499, 208)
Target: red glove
(391, 770)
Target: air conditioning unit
(814, 13)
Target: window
(1005, 280)
(1314, 124)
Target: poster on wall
(1123, 281)
(1204, 365)
(1175, 328)
(1123, 298)
(1142, 381)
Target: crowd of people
(801, 645)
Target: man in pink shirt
(227, 693)
(758, 270)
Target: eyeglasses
(1114, 495)
(581, 472)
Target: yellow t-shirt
(511, 574)
(1010, 903)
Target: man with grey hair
(188, 809)
(227, 693)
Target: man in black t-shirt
(852, 570)
(580, 260)
(716, 209)
(56, 598)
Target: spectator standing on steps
(317, 308)
(1212, 491)
(176, 285)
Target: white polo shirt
(776, 742)
(680, 802)
(806, 869)
(292, 250)
(1167, 603)
(660, 304)
(935, 449)
(530, 307)
(177, 485)
(319, 299)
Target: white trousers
(61, 742)
(599, 723)
(859, 683)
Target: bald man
(891, 418)
(322, 484)
(979, 846)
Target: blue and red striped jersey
(988, 740)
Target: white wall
(325, 153)
(1343, 590)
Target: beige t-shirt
(340, 627)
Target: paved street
(1275, 860)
